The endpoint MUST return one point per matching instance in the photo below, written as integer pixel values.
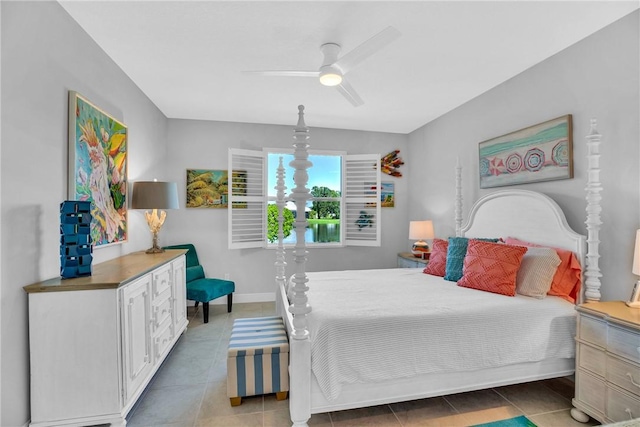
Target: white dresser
(95, 342)
(608, 362)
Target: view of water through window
(325, 185)
(318, 233)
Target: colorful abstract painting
(98, 168)
(538, 153)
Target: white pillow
(536, 272)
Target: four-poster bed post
(300, 344)
(458, 209)
(593, 189)
(280, 252)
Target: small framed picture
(634, 301)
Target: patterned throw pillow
(568, 277)
(456, 252)
(492, 267)
(536, 272)
(438, 258)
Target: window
(325, 186)
(345, 204)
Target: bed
(417, 335)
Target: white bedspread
(371, 325)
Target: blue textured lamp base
(76, 251)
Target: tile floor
(190, 390)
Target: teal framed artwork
(98, 146)
(542, 152)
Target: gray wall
(44, 55)
(595, 78)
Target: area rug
(520, 421)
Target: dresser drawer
(161, 281)
(622, 406)
(593, 331)
(624, 375)
(591, 391)
(162, 340)
(161, 309)
(624, 343)
(592, 359)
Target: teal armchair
(203, 289)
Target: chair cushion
(194, 273)
(205, 290)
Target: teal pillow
(456, 251)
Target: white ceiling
(188, 57)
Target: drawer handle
(628, 411)
(632, 381)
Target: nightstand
(407, 260)
(607, 362)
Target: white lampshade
(421, 230)
(636, 255)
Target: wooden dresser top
(109, 274)
(614, 311)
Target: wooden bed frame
(526, 215)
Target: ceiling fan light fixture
(330, 77)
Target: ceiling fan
(334, 69)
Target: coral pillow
(566, 282)
(438, 258)
(536, 272)
(492, 267)
(456, 252)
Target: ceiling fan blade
(349, 92)
(286, 73)
(366, 49)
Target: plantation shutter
(247, 199)
(361, 198)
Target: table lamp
(155, 195)
(420, 231)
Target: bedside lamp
(420, 230)
(634, 301)
(155, 195)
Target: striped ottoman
(258, 359)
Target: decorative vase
(76, 251)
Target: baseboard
(244, 298)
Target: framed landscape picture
(98, 168)
(208, 188)
(542, 152)
(387, 197)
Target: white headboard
(525, 215)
